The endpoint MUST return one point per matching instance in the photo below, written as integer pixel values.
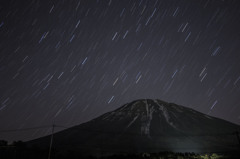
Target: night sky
(66, 62)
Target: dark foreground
(12, 152)
(161, 155)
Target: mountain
(147, 125)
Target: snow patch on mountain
(208, 117)
(165, 113)
(180, 111)
(146, 119)
(134, 105)
(135, 118)
(123, 107)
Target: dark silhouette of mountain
(147, 126)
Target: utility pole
(50, 147)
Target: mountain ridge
(147, 125)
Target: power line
(31, 128)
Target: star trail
(66, 62)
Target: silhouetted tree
(3, 143)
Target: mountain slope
(147, 126)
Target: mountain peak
(144, 104)
(143, 111)
(154, 116)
